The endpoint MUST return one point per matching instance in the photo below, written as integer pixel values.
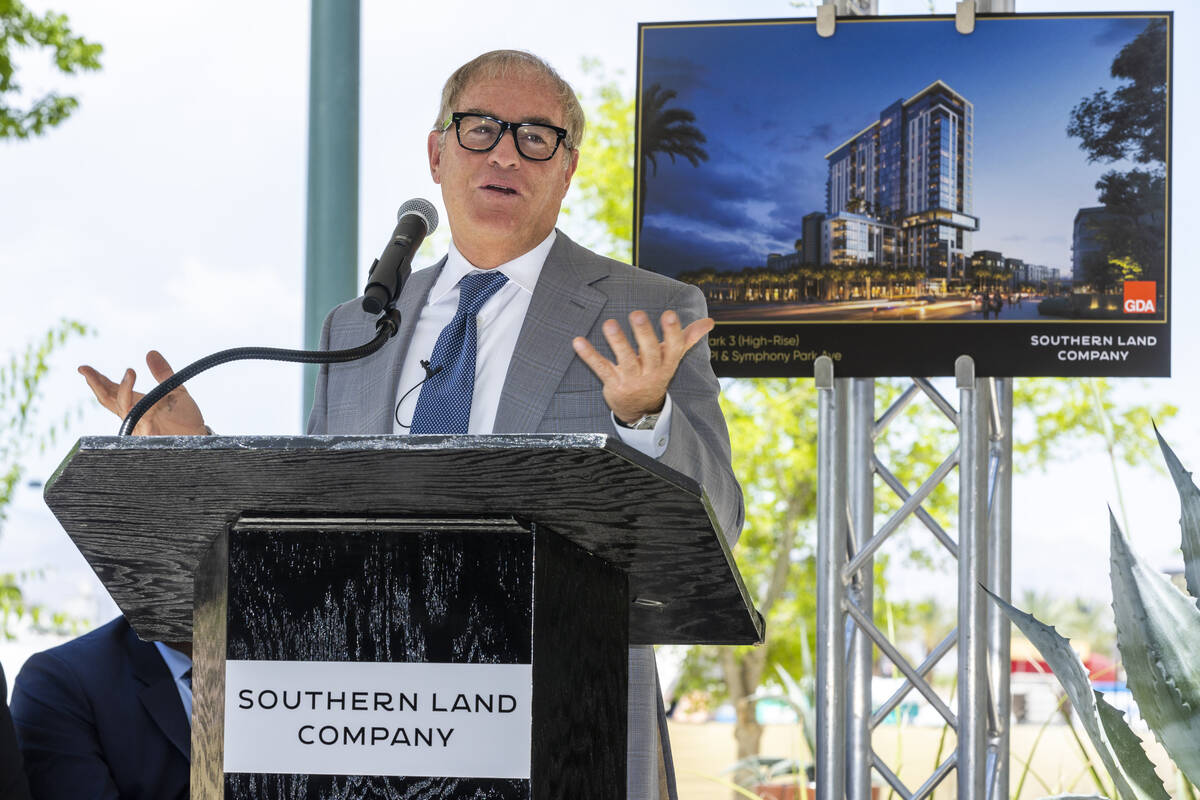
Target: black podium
(417, 617)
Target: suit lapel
(159, 695)
(380, 409)
(564, 305)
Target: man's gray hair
(508, 63)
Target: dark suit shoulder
(91, 660)
(58, 686)
(109, 638)
(113, 631)
(102, 712)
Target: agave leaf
(1158, 633)
(1123, 739)
(801, 699)
(756, 763)
(787, 767)
(1117, 746)
(1076, 797)
(1189, 516)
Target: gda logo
(1140, 297)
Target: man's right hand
(174, 415)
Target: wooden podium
(417, 617)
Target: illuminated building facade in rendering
(899, 193)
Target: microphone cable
(429, 373)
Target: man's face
(499, 204)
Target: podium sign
(409, 658)
(371, 718)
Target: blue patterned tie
(444, 405)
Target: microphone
(415, 220)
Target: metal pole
(331, 256)
(999, 581)
(861, 527)
(972, 526)
(831, 554)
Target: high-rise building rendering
(810, 232)
(899, 192)
(1085, 239)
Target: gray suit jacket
(549, 390)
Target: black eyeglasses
(480, 133)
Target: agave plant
(1158, 634)
(800, 696)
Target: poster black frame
(1077, 347)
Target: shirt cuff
(652, 442)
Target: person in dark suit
(101, 718)
(565, 341)
(13, 785)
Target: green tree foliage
(23, 430)
(775, 454)
(1130, 123)
(21, 375)
(604, 180)
(1132, 233)
(772, 425)
(1102, 275)
(21, 29)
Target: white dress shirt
(499, 324)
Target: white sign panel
(367, 718)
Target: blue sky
(767, 138)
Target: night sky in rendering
(774, 98)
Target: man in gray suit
(548, 352)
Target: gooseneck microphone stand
(385, 328)
(414, 221)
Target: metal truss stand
(847, 542)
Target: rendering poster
(900, 194)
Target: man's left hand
(636, 384)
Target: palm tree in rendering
(665, 130)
